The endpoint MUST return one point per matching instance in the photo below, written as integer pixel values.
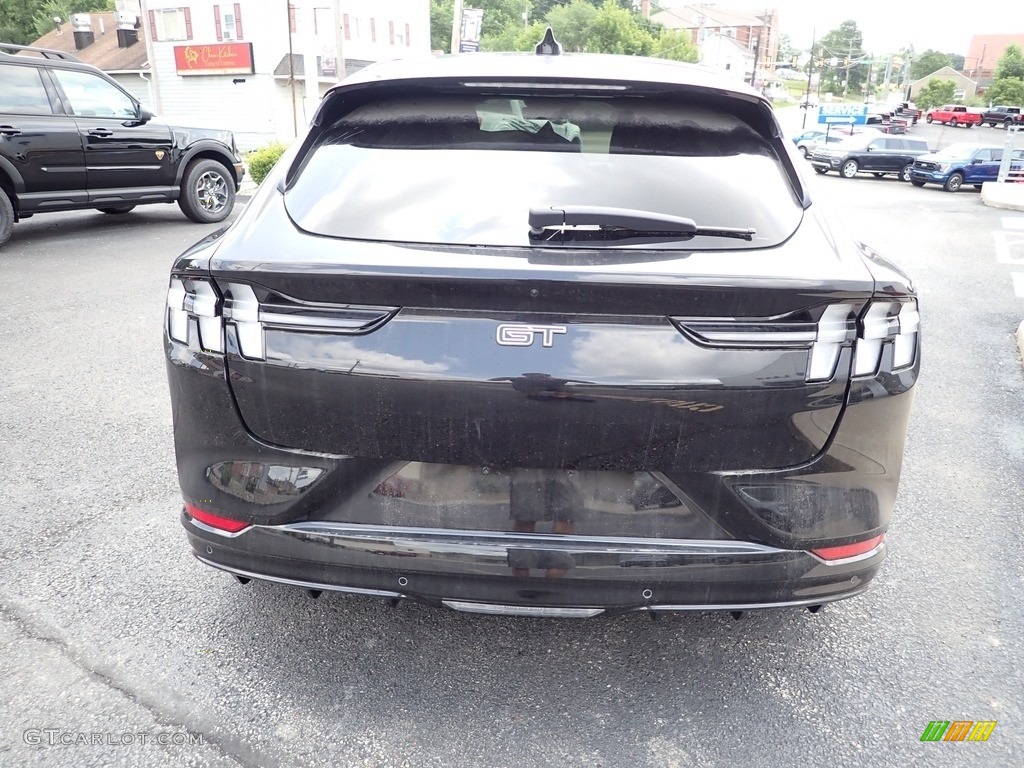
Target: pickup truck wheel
(207, 192)
(6, 217)
(850, 168)
(905, 172)
(1006, 123)
(954, 182)
(115, 210)
(822, 171)
(953, 123)
(928, 119)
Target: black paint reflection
(526, 500)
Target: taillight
(844, 551)
(191, 299)
(887, 322)
(225, 524)
(252, 314)
(894, 323)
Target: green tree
(615, 30)
(572, 24)
(42, 19)
(675, 44)
(16, 24)
(514, 38)
(844, 42)
(936, 93)
(441, 12)
(605, 26)
(788, 55)
(1011, 63)
(927, 62)
(1006, 90)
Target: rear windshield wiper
(597, 223)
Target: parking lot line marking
(1013, 222)
(1002, 246)
(1018, 283)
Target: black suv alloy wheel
(207, 193)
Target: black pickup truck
(1002, 115)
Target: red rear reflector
(214, 521)
(848, 550)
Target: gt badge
(513, 335)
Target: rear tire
(207, 192)
(6, 218)
(954, 182)
(953, 123)
(803, 151)
(116, 210)
(905, 172)
(849, 170)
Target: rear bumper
(522, 574)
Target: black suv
(866, 153)
(1002, 115)
(72, 138)
(503, 333)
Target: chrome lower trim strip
(626, 545)
(496, 609)
(296, 582)
(758, 606)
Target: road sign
(843, 114)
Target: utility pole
(339, 40)
(810, 71)
(764, 33)
(457, 26)
(849, 63)
(867, 83)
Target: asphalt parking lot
(120, 649)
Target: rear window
(465, 170)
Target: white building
(723, 53)
(241, 66)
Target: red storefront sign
(216, 59)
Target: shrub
(262, 160)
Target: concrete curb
(1008, 196)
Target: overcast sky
(889, 25)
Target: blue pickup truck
(959, 164)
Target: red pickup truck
(954, 115)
